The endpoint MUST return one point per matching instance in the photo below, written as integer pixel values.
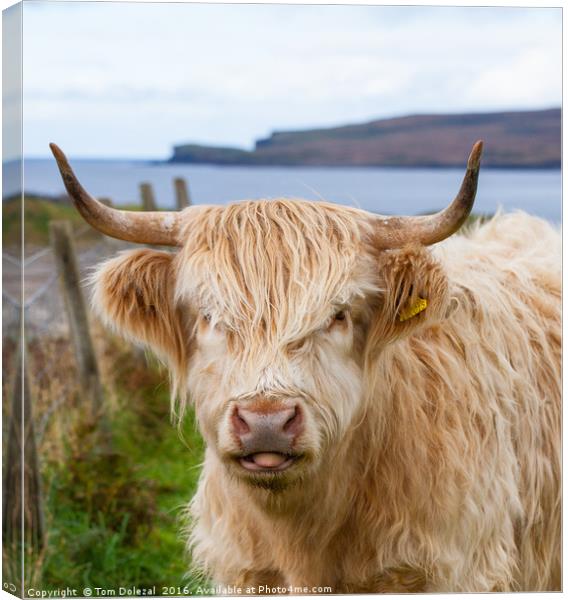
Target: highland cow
(380, 398)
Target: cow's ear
(414, 293)
(134, 294)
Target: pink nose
(262, 428)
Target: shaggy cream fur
(431, 452)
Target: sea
(384, 190)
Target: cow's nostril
(291, 419)
(266, 424)
(292, 425)
(239, 423)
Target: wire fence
(42, 304)
(50, 365)
(51, 361)
(39, 376)
(38, 302)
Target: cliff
(527, 139)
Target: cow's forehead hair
(274, 266)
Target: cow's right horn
(395, 232)
(159, 228)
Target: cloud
(148, 75)
(533, 77)
(12, 82)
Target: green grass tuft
(114, 510)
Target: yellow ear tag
(411, 311)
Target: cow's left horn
(394, 232)
(160, 228)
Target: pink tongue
(268, 459)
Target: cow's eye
(339, 318)
(210, 325)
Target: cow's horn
(394, 232)
(160, 228)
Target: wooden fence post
(22, 495)
(12, 482)
(33, 501)
(183, 198)
(66, 262)
(147, 193)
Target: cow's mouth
(267, 462)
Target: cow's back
(507, 273)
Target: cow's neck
(315, 519)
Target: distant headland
(521, 139)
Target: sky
(131, 80)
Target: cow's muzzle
(267, 432)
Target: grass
(38, 213)
(113, 510)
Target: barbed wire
(48, 341)
(53, 359)
(11, 259)
(40, 253)
(31, 294)
(82, 258)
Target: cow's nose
(267, 429)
